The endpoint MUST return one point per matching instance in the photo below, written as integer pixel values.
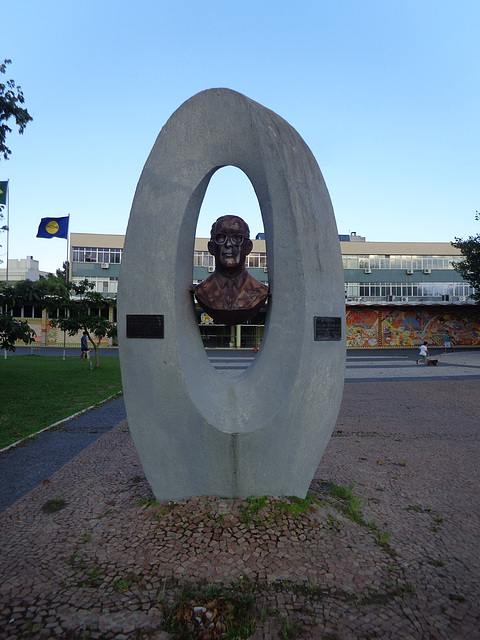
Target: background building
(96, 257)
(397, 294)
(24, 269)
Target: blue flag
(3, 192)
(53, 228)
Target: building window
(94, 254)
(253, 261)
(115, 256)
(202, 259)
(78, 254)
(104, 255)
(90, 254)
(398, 262)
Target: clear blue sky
(386, 95)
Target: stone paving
(106, 561)
(375, 366)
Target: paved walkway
(375, 365)
(461, 364)
(26, 465)
(108, 561)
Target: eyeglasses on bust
(235, 238)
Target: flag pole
(66, 280)
(8, 239)
(8, 227)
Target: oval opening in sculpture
(230, 193)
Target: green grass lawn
(37, 391)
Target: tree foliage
(79, 308)
(469, 267)
(11, 99)
(12, 329)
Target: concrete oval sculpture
(197, 432)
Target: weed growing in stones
(382, 538)
(148, 502)
(291, 505)
(93, 578)
(75, 560)
(419, 509)
(86, 537)
(436, 563)
(351, 506)
(33, 628)
(123, 584)
(290, 628)
(456, 597)
(54, 505)
(296, 506)
(253, 506)
(94, 575)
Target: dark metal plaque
(145, 326)
(327, 328)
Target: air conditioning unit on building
(211, 269)
(368, 271)
(427, 271)
(409, 272)
(462, 298)
(404, 299)
(265, 270)
(105, 265)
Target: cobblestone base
(88, 553)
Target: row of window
(259, 260)
(253, 260)
(102, 285)
(416, 290)
(31, 312)
(398, 262)
(114, 256)
(97, 254)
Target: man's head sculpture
(230, 295)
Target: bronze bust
(230, 295)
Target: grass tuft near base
(38, 391)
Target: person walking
(448, 343)
(422, 356)
(84, 346)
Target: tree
(80, 309)
(11, 97)
(469, 267)
(12, 329)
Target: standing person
(84, 346)
(448, 342)
(423, 353)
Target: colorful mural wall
(396, 327)
(45, 334)
(367, 327)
